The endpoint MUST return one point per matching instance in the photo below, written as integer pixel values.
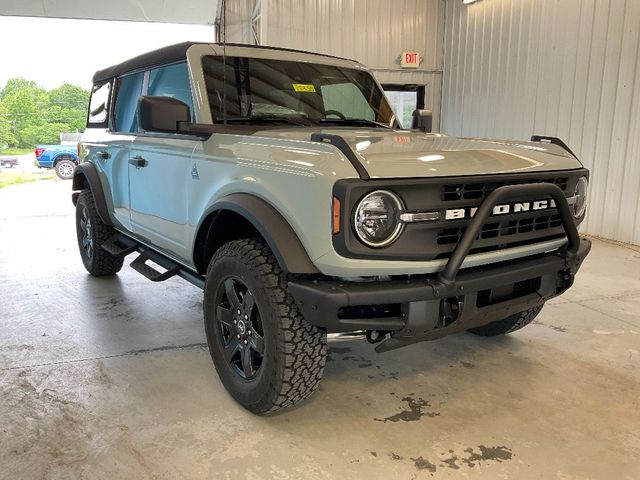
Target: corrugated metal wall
(238, 18)
(567, 68)
(374, 32)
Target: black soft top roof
(170, 54)
(155, 58)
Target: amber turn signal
(336, 216)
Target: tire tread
(508, 325)
(300, 367)
(103, 263)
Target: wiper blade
(265, 118)
(355, 121)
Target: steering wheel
(336, 113)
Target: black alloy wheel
(87, 233)
(267, 355)
(241, 330)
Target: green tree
(70, 97)
(16, 84)
(44, 134)
(31, 115)
(25, 103)
(7, 138)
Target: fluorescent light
(467, 2)
(300, 162)
(430, 158)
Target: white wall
(567, 68)
(374, 32)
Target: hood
(399, 153)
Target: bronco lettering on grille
(519, 207)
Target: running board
(120, 246)
(140, 265)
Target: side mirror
(422, 120)
(162, 114)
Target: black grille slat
(479, 191)
(506, 228)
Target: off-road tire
(101, 263)
(507, 325)
(64, 169)
(294, 350)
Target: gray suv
(282, 184)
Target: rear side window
(99, 105)
(126, 107)
(171, 81)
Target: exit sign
(410, 60)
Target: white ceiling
(198, 12)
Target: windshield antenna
(224, 62)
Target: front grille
(437, 239)
(480, 190)
(451, 236)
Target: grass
(16, 151)
(11, 178)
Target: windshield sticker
(303, 87)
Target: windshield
(294, 93)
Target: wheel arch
(85, 177)
(240, 215)
(64, 156)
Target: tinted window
(98, 105)
(299, 92)
(126, 109)
(171, 81)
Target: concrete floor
(110, 378)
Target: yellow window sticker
(303, 87)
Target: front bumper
(422, 309)
(433, 306)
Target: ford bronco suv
(281, 183)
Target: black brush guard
(431, 307)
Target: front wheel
(92, 233)
(507, 325)
(64, 169)
(267, 356)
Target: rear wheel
(267, 356)
(507, 325)
(92, 233)
(65, 168)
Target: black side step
(120, 246)
(140, 265)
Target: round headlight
(377, 218)
(580, 195)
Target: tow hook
(376, 336)
(450, 309)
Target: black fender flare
(86, 176)
(283, 241)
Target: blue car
(62, 158)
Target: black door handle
(138, 162)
